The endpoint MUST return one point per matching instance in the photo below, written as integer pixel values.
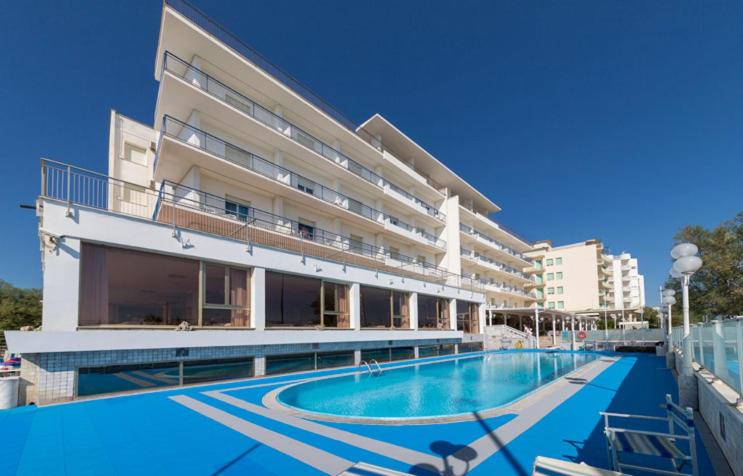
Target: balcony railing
(205, 141)
(226, 94)
(508, 269)
(186, 208)
(498, 245)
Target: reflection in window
(467, 317)
(124, 287)
(384, 308)
(292, 301)
(225, 296)
(122, 378)
(380, 355)
(335, 305)
(281, 364)
(218, 369)
(433, 312)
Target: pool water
(450, 387)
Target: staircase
(506, 337)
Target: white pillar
(258, 299)
(354, 297)
(572, 333)
(453, 314)
(536, 325)
(413, 309)
(481, 318)
(554, 332)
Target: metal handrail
(366, 364)
(248, 106)
(376, 364)
(212, 144)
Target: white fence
(718, 347)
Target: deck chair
(622, 442)
(556, 467)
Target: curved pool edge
(271, 401)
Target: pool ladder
(377, 370)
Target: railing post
(718, 351)
(43, 178)
(700, 331)
(68, 213)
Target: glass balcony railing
(207, 142)
(224, 93)
(491, 262)
(504, 288)
(497, 244)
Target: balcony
(491, 264)
(494, 287)
(493, 243)
(186, 208)
(180, 131)
(230, 97)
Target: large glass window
(292, 301)
(124, 287)
(281, 364)
(328, 360)
(380, 355)
(298, 301)
(433, 312)
(467, 317)
(384, 308)
(218, 369)
(402, 353)
(225, 296)
(470, 347)
(122, 378)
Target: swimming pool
(451, 387)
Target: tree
(19, 307)
(717, 288)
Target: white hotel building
(252, 230)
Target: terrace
(239, 432)
(187, 208)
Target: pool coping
(270, 399)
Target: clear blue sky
(616, 120)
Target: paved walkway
(225, 429)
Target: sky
(615, 120)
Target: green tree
(19, 307)
(717, 288)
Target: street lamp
(686, 263)
(668, 301)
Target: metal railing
(249, 53)
(718, 347)
(230, 96)
(207, 142)
(497, 244)
(184, 207)
(472, 255)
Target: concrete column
(413, 308)
(354, 297)
(258, 299)
(554, 332)
(192, 76)
(357, 357)
(453, 314)
(61, 292)
(259, 366)
(416, 353)
(481, 318)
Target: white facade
(245, 174)
(627, 285)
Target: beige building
(568, 277)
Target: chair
(622, 442)
(556, 467)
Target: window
(328, 360)
(470, 347)
(384, 308)
(305, 185)
(135, 154)
(292, 301)
(468, 317)
(550, 261)
(538, 264)
(550, 305)
(560, 289)
(558, 261)
(306, 229)
(134, 194)
(394, 253)
(236, 209)
(433, 312)
(421, 259)
(380, 355)
(538, 279)
(335, 305)
(550, 290)
(558, 275)
(560, 304)
(356, 243)
(195, 371)
(122, 378)
(550, 276)
(225, 296)
(281, 364)
(124, 287)
(402, 353)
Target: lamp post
(668, 301)
(685, 265)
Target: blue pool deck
(224, 429)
